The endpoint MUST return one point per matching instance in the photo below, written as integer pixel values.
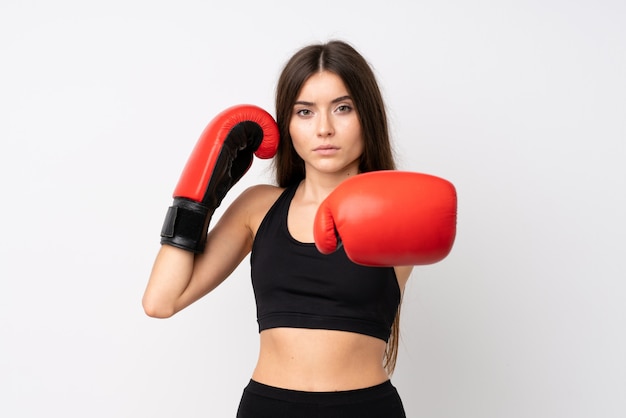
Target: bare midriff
(317, 360)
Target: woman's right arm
(180, 277)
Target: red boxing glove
(389, 218)
(220, 158)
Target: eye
(303, 112)
(344, 108)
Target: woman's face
(324, 126)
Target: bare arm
(403, 273)
(180, 278)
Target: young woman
(328, 326)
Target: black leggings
(262, 401)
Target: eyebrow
(337, 100)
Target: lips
(326, 150)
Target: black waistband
(322, 398)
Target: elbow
(157, 310)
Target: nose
(325, 126)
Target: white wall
(520, 104)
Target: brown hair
(343, 60)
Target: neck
(317, 186)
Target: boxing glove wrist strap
(186, 224)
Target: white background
(522, 105)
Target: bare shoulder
(258, 197)
(262, 191)
(403, 273)
(255, 201)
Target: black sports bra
(296, 286)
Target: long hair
(343, 60)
